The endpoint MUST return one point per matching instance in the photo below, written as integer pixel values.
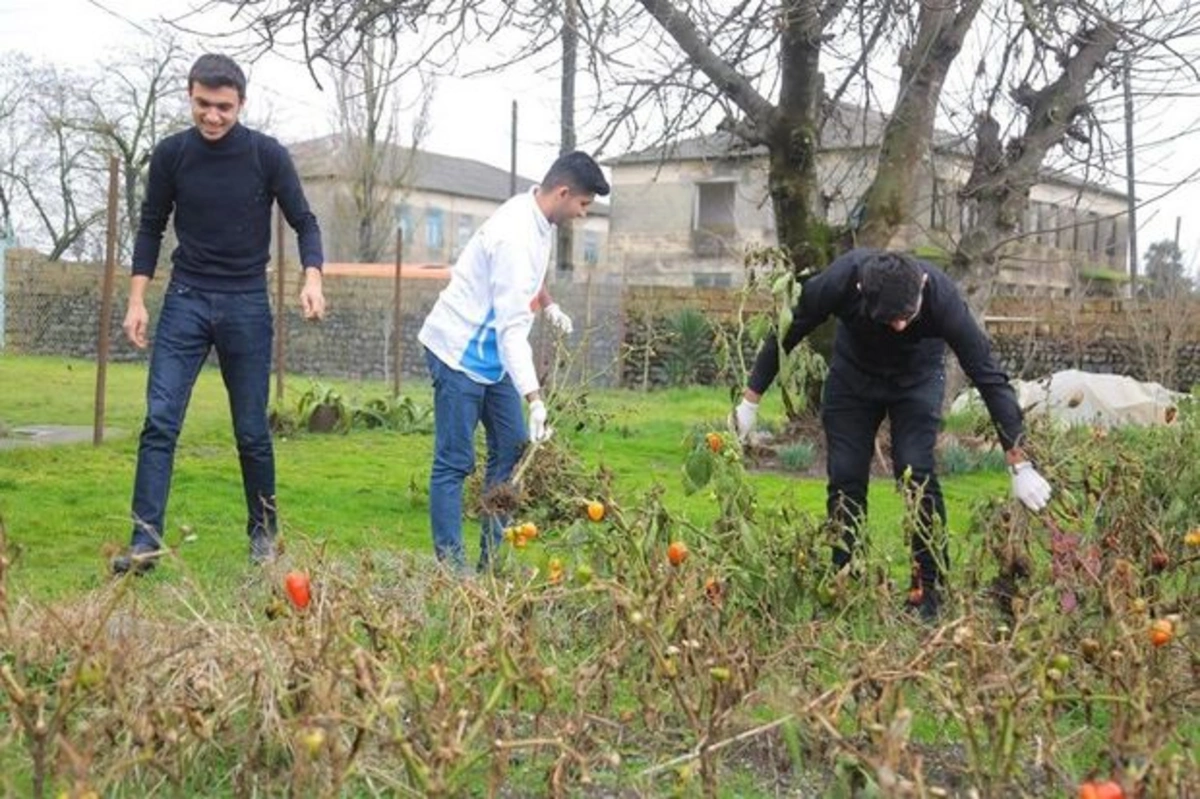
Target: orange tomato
(1101, 790)
(299, 590)
(1161, 632)
(529, 530)
(715, 442)
(915, 595)
(595, 510)
(677, 552)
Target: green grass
(66, 507)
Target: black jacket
(874, 351)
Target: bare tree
(369, 106)
(132, 102)
(55, 174)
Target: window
(714, 208)
(405, 223)
(435, 236)
(591, 247)
(937, 206)
(464, 228)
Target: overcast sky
(471, 117)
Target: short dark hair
(579, 172)
(891, 285)
(215, 70)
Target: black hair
(891, 285)
(214, 71)
(579, 172)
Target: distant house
(438, 201)
(684, 214)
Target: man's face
(214, 110)
(568, 206)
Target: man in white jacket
(476, 341)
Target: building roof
(847, 127)
(427, 171)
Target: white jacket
(480, 323)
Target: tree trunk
(1002, 175)
(908, 134)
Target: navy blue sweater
(221, 193)
(873, 351)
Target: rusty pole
(397, 318)
(280, 292)
(106, 302)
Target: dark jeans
(854, 407)
(459, 405)
(191, 323)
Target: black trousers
(854, 406)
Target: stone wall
(54, 309)
(623, 334)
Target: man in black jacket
(220, 180)
(895, 316)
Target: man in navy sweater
(895, 317)
(220, 180)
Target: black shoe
(138, 559)
(926, 603)
(262, 548)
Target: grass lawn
(66, 506)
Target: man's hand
(137, 322)
(558, 317)
(1029, 486)
(743, 418)
(312, 296)
(538, 429)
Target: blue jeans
(191, 323)
(854, 406)
(459, 405)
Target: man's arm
(974, 352)
(290, 196)
(511, 269)
(157, 206)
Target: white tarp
(1076, 397)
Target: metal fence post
(6, 241)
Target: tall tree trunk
(570, 45)
(1002, 175)
(909, 132)
(791, 133)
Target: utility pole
(512, 171)
(1130, 183)
(564, 257)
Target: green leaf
(697, 470)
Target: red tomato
(298, 589)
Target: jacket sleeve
(513, 271)
(974, 352)
(157, 206)
(285, 186)
(819, 298)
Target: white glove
(742, 419)
(538, 429)
(1029, 486)
(558, 317)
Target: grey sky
(471, 117)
